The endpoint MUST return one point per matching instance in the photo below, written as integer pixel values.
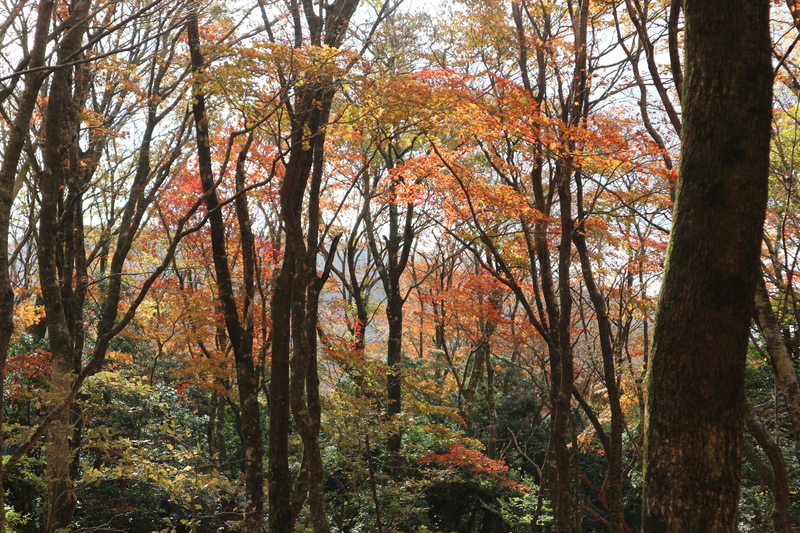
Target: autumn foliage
(408, 258)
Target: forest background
(356, 266)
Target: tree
(16, 137)
(239, 326)
(501, 174)
(295, 300)
(84, 245)
(695, 403)
(391, 260)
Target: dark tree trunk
(562, 369)
(62, 266)
(279, 475)
(394, 375)
(695, 402)
(240, 329)
(17, 134)
(613, 448)
(294, 335)
(294, 385)
(391, 262)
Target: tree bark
(695, 404)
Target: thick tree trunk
(562, 371)
(695, 403)
(295, 385)
(279, 475)
(290, 347)
(295, 298)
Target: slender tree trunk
(695, 403)
(778, 477)
(8, 170)
(613, 452)
(394, 376)
(491, 444)
(240, 330)
(61, 266)
(474, 379)
(573, 114)
(785, 376)
(391, 264)
(308, 411)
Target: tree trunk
(391, 262)
(240, 329)
(294, 321)
(785, 376)
(562, 370)
(62, 265)
(295, 298)
(279, 475)
(476, 375)
(695, 403)
(291, 351)
(778, 477)
(394, 376)
(8, 171)
(491, 444)
(613, 451)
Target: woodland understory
(355, 266)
